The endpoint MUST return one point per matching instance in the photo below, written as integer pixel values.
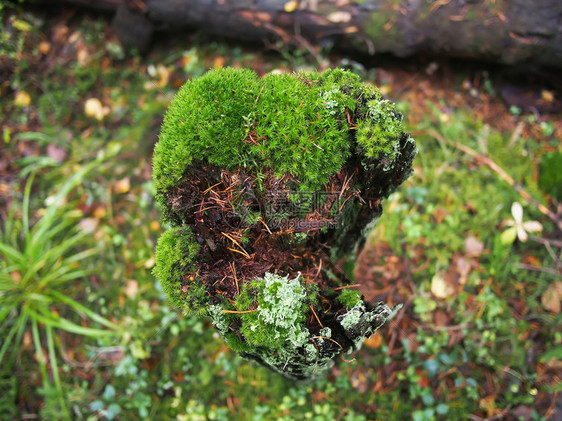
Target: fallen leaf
(83, 57)
(27, 340)
(440, 318)
(88, 225)
(547, 96)
(16, 276)
(149, 264)
(463, 269)
(122, 186)
(489, 404)
(552, 298)
(56, 152)
(473, 247)
(440, 288)
(374, 341)
(22, 99)
(339, 17)
(291, 6)
(218, 62)
(44, 47)
(132, 288)
(94, 108)
(532, 260)
(164, 74)
(99, 212)
(423, 381)
(440, 213)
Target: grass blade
(55, 371)
(82, 309)
(12, 254)
(48, 219)
(18, 328)
(8, 338)
(25, 210)
(39, 351)
(50, 319)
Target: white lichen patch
(282, 307)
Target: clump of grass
(39, 264)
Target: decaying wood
(511, 32)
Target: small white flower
(518, 228)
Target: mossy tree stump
(270, 185)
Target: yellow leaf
(218, 62)
(99, 212)
(94, 108)
(291, 6)
(164, 74)
(339, 17)
(440, 288)
(149, 264)
(138, 351)
(547, 96)
(552, 298)
(22, 25)
(22, 99)
(122, 186)
(44, 47)
(132, 288)
(489, 404)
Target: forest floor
(471, 244)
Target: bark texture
(509, 32)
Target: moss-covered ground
(86, 332)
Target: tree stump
(271, 186)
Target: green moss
(205, 121)
(350, 298)
(379, 135)
(302, 125)
(237, 344)
(175, 259)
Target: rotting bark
(509, 32)
(261, 230)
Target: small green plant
(518, 228)
(39, 264)
(350, 298)
(550, 176)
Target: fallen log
(509, 32)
